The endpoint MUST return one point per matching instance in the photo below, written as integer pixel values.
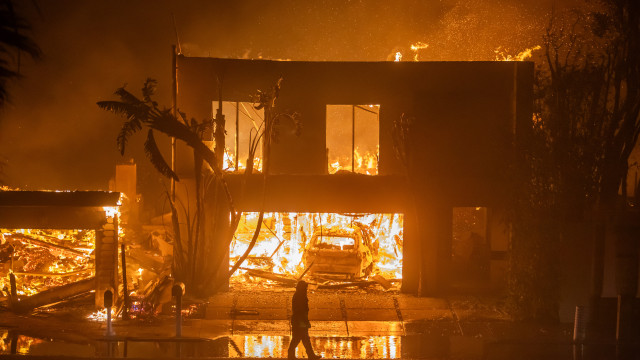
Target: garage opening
(331, 250)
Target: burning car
(340, 252)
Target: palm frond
(120, 108)
(128, 129)
(149, 89)
(11, 39)
(127, 97)
(12, 28)
(156, 158)
(183, 116)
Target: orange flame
(284, 238)
(521, 56)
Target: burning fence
(332, 249)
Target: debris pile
(332, 250)
(44, 259)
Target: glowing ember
(101, 315)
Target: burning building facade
(335, 181)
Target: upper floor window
(353, 138)
(241, 120)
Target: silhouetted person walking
(300, 322)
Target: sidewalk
(349, 314)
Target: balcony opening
(353, 138)
(331, 250)
(241, 121)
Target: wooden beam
(54, 295)
(27, 238)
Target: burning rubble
(332, 250)
(44, 267)
(42, 259)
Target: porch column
(106, 255)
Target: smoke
(54, 136)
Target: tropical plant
(575, 160)
(145, 112)
(191, 264)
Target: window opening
(242, 119)
(353, 138)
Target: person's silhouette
(300, 322)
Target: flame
(101, 315)
(284, 238)
(417, 47)
(365, 163)
(23, 345)
(229, 163)
(44, 258)
(521, 56)
(370, 347)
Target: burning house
(339, 201)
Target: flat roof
(59, 198)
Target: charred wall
(468, 116)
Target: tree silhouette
(13, 42)
(575, 158)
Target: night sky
(53, 136)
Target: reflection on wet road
(259, 346)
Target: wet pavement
(344, 325)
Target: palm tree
(145, 112)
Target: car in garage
(340, 252)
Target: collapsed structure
(341, 165)
(57, 245)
